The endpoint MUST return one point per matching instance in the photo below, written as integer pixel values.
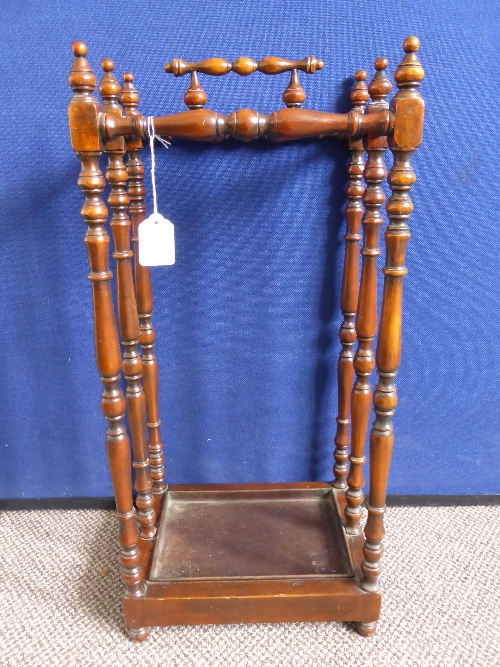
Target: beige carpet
(60, 601)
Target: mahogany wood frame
(345, 585)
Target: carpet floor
(60, 601)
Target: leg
(349, 293)
(409, 112)
(128, 321)
(366, 629)
(138, 635)
(366, 316)
(85, 142)
(137, 208)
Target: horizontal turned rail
(247, 125)
(243, 66)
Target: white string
(152, 135)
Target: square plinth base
(249, 554)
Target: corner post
(350, 288)
(366, 315)
(408, 109)
(144, 292)
(83, 114)
(128, 319)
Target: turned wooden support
(128, 319)
(246, 125)
(144, 293)
(366, 318)
(195, 97)
(83, 122)
(294, 95)
(243, 66)
(349, 292)
(407, 136)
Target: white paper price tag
(156, 241)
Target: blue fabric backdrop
(247, 319)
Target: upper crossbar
(247, 125)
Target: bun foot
(366, 629)
(138, 634)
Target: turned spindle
(366, 317)
(349, 291)
(128, 318)
(406, 137)
(87, 146)
(247, 125)
(144, 293)
(243, 66)
(294, 95)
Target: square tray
(250, 533)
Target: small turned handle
(243, 66)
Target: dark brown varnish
(144, 293)
(128, 320)
(408, 106)
(366, 316)
(249, 553)
(349, 293)
(244, 66)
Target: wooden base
(259, 553)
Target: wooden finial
(195, 97)
(359, 94)
(410, 72)
(294, 95)
(109, 88)
(129, 97)
(107, 65)
(411, 44)
(380, 64)
(380, 86)
(79, 49)
(81, 78)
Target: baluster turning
(107, 348)
(366, 317)
(243, 66)
(349, 291)
(128, 319)
(407, 136)
(144, 292)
